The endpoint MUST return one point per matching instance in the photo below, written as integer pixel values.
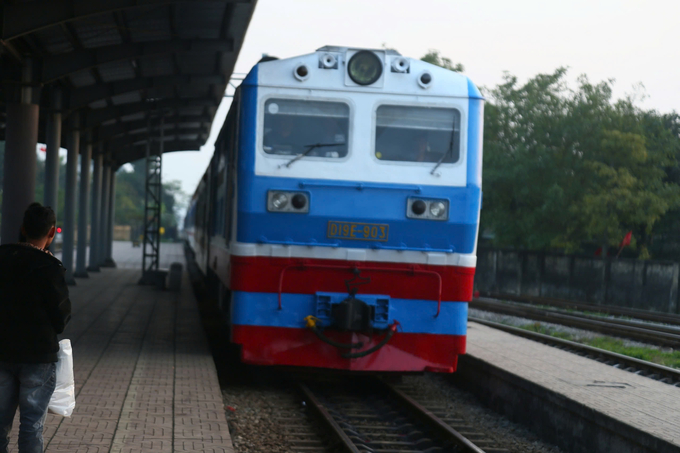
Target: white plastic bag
(63, 399)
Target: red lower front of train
(406, 352)
(272, 335)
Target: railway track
(370, 415)
(659, 335)
(643, 315)
(651, 370)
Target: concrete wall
(553, 417)
(646, 285)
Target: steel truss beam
(152, 208)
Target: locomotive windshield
(417, 134)
(291, 127)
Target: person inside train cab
(332, 133)
(281, 138)
(422, 147)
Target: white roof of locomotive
(280, 73)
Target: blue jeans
(28, 386)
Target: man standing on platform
(34, 308)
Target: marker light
(400, 65)
(288, 202)
(425, 79)
(418, 207)
(437, 208)
(301, 72)
(299, 201)
(279, 200)
(423, 209)
(364, 68)
(328, 61)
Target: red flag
(626, 239)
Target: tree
(130, 193)
(663, 132)
(433, 56)
(527, 161)
(565, 168)
(130, 188)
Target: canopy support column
(53, 143)
(68, 231)
(108, 261)
(95, 236)
(104, 225)
(83, 202)
(21, 139)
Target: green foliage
(433, 56)
(650, 354)
(566, 168)
(540, 328)
(667, 358)
(129, 195)
(130, 192)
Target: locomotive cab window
(312, 128)
(417, 134)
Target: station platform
(145, 377)
(579, 404)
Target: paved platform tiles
(638, 402)
(145, 378)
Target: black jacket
(34, 304)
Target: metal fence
(646, 285)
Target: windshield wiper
(447, 153)
(307, 151)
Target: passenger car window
(417, 134)
(292, 126)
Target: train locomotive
(339, 214)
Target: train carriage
(339, 215)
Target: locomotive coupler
(353, 314)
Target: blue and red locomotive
(340, 212)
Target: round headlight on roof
(364, 68)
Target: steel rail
(666, 318)
(663, 373)
(440, 426)
(321, 411)
(635, 333)
(412, 409)
(673, 330)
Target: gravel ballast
(505, 434)
(265, 417)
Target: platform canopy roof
(125, 63)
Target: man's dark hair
(38, 220)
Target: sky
(632, 42)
